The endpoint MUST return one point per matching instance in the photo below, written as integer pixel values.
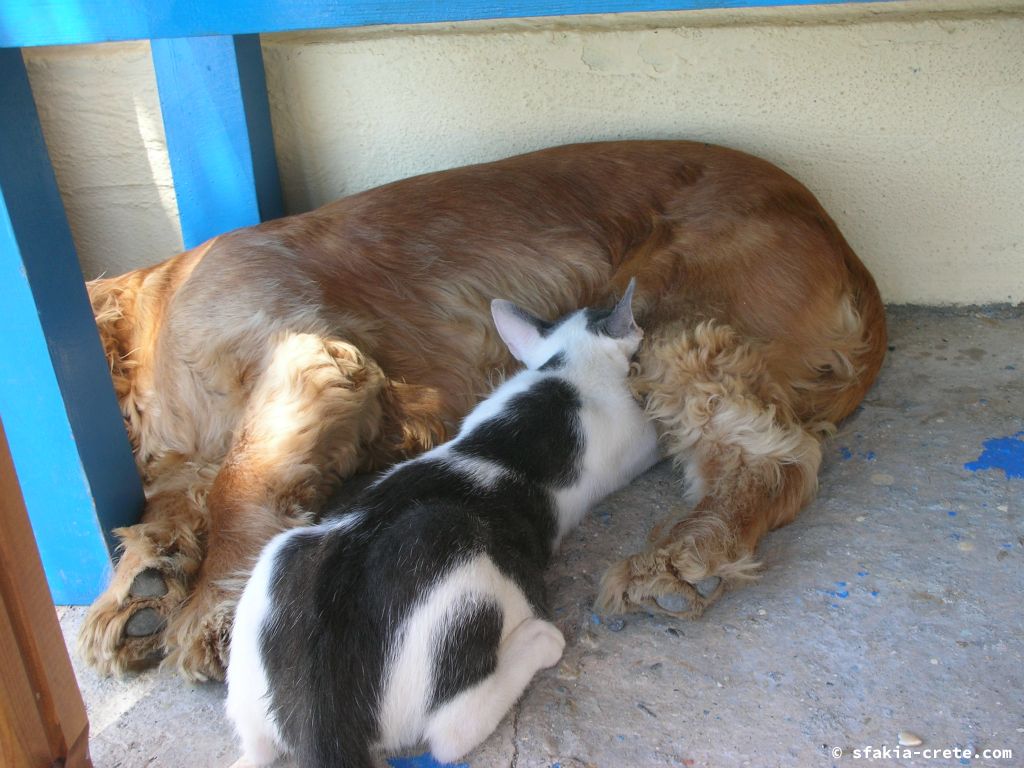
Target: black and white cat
(416, 613)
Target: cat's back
(447, 507)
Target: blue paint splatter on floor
(874, 593)
(848, 454)
(1005, 453)
(426, 760)
(840, 583)
(862, 574)
(951, 513)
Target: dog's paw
(199, 636)
(674, 579)
(688, 601)
(124, 628)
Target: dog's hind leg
(308, 421)
(749, 466)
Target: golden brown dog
(256, 371)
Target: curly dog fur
(257, 371)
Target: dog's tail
(845, 366)
(868, 353)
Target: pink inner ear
(518, 333)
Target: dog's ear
(520, 330)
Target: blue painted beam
(213, 97)
(66, 22)
(57, 403)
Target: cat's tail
(335, 747)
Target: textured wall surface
(909, 128)
(100, 114)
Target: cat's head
(592, 338)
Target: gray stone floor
(893, 603)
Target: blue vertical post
(213, 96)
(57, 403)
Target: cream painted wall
(909, 126)
(100, 114)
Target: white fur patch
(460, 725)
(620, 444)
(247, 703)
(407, 689)
(483, 473)
(342, 523)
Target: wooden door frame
(42, 716)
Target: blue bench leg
(67, 439)
(213, 96)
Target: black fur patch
(296, 646)
(548, 327)
(544, 327)
(538, 435)
(468, 653)
(555, 363)
(597, 320)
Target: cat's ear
(620, 322)
(520, 330)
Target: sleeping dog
(261, 369)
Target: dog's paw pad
(148, 583)
(673, 603)
(692, 598)
(707, 587)
(143, 623)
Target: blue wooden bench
(57, 405)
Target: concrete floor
(893, 603)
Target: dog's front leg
(750, 465)
(160, 557)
